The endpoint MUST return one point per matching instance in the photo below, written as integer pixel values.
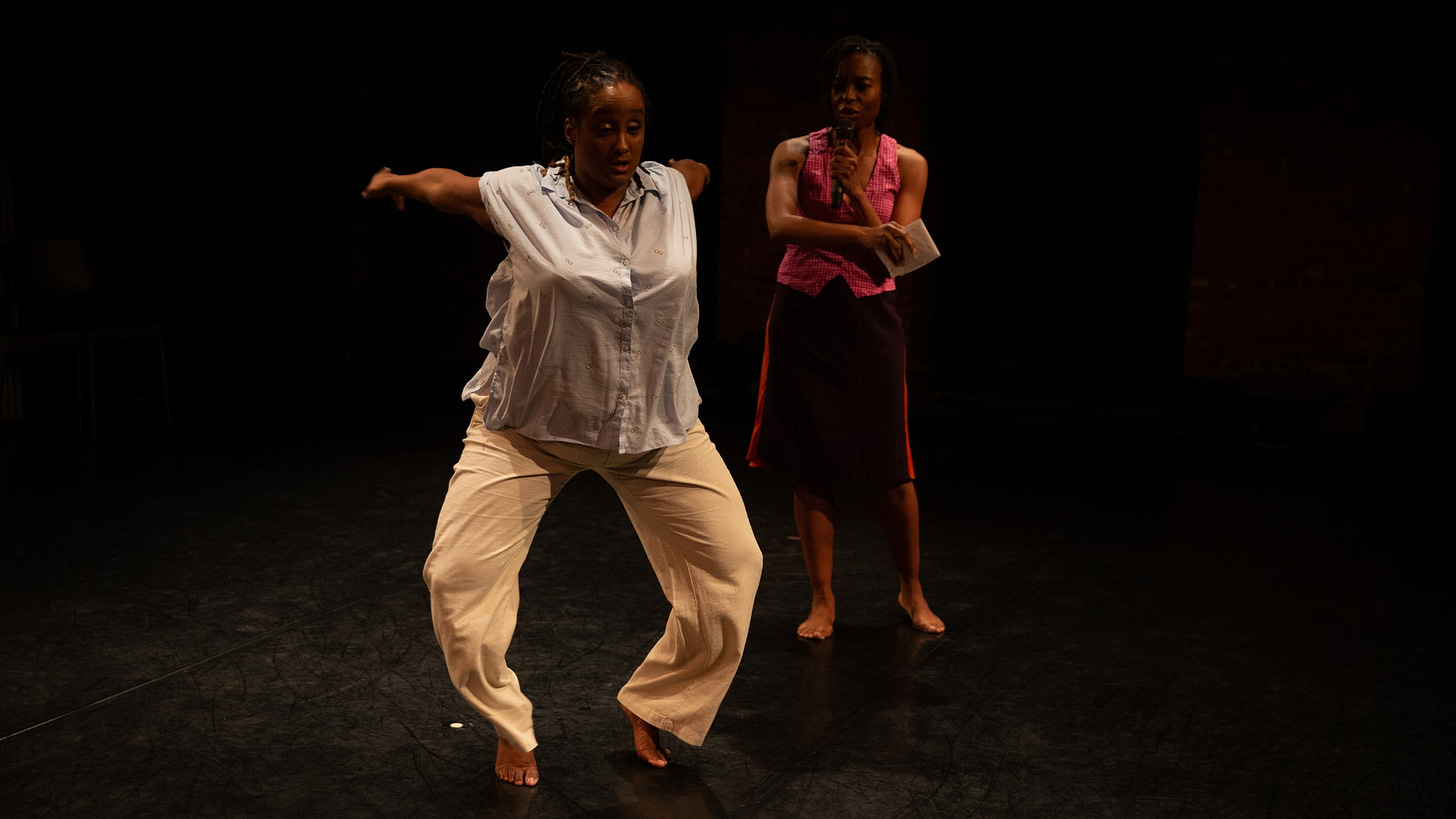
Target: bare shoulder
(791, 152)
(797, 146)
(910, 160)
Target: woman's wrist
(864, 210)
(867, 237)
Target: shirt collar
(643, 182)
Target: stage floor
(1139, 623)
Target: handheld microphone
(843, 133)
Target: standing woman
(832, 401)
(592, 314)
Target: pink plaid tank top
(808, 269)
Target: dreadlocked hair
(566, 93)
(889, 75)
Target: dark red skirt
(831, 399)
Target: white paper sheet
(925, 250)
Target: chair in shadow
(51, 319)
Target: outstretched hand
(891, 238)
(378, 188)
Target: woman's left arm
(695, 173)
(914, 171)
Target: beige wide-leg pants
(688, 513)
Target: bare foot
(820, 623)
(646, 741)
(515, 767)
(920, 614)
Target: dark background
(1177, 402)
(210, 159)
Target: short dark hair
(889, 74)
(566, 92)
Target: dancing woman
(593, 313)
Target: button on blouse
(591, 316)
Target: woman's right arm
(445, 190)
(781, 209)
